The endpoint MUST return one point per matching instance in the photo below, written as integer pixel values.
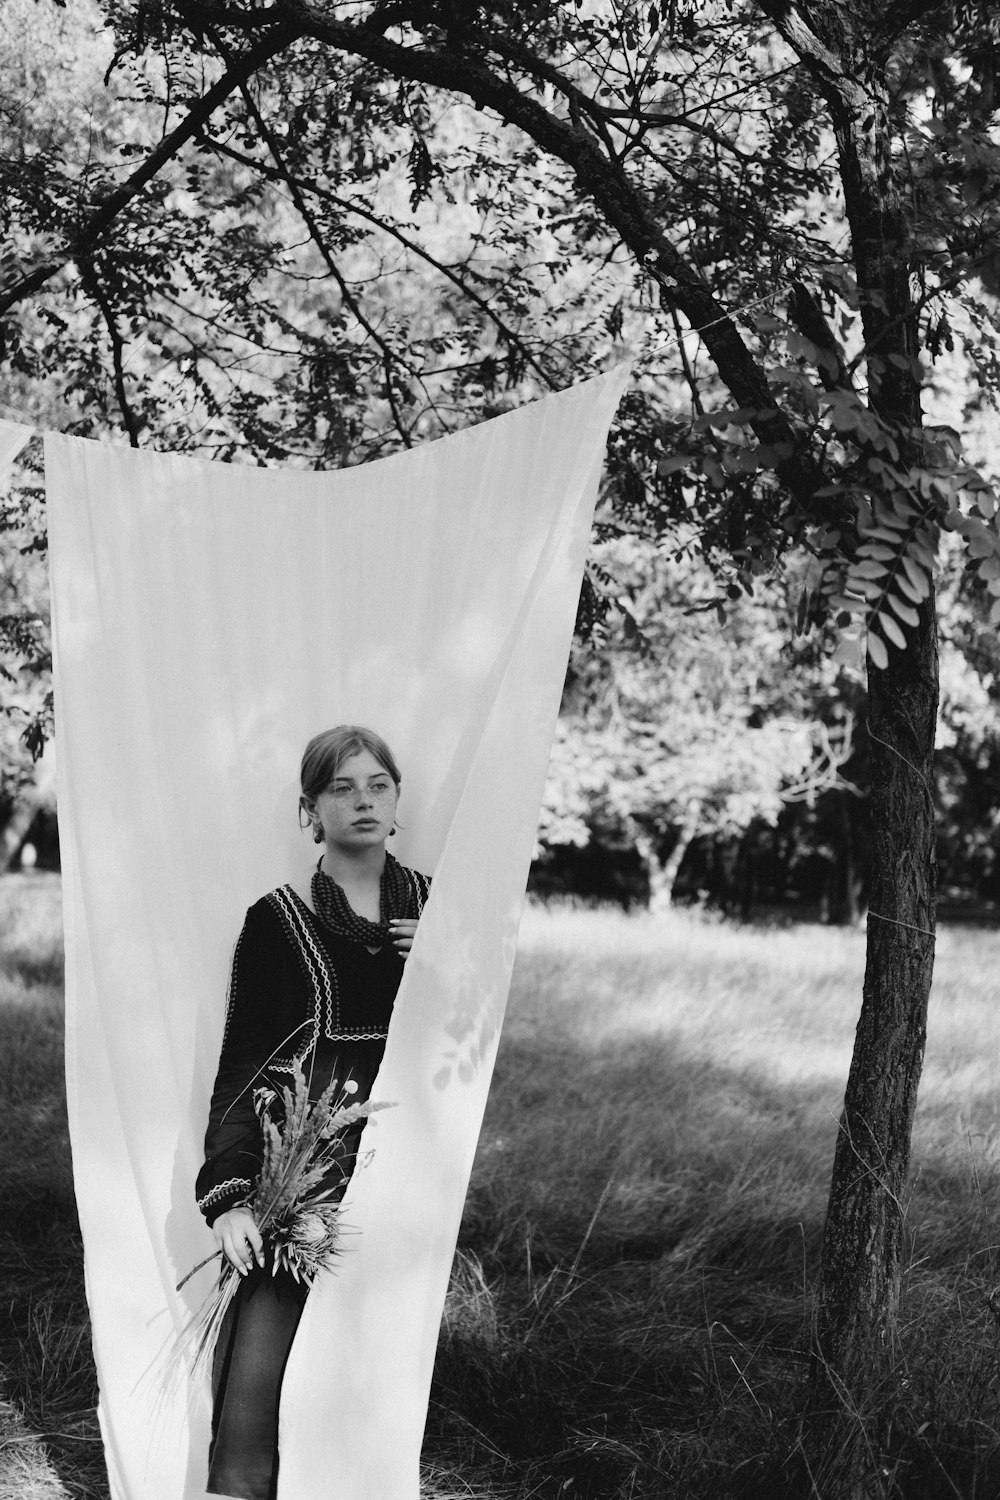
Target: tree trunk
(14, 831)
(745, 880)
(862, 1241)
(30, 798)
(842, 893)
(852, 878)
(662, 873)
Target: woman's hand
(239, 1239)
(401, 931)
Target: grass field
(630, 1305)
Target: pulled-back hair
(325, 754)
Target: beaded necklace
(396, 899)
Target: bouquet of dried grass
(295, 1212)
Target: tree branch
(308, 218)
(845, 94)
(538, 68)
(92, 282)
(594, 111)
(603, 181)
(689, 374)
(881, 234)
(225, 15)
(903, 13)
(396, 416)
(349, 206)
(804, 311)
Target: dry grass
(629, 1310)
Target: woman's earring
(317, 832)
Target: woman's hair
(326, 753)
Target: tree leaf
(901, 581)
(916, 576)
(848, 602)
(979, 542)
(889, 628)
(673, 464)
(905, 612)
(713, 471)
(923, 549)
(877, 652)
(898, 516)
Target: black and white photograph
(499, 750)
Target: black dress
(299, 992)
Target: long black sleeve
(266, 1005)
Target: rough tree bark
(862, 1241)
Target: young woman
(314, 977)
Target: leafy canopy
(308, 233)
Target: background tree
(680, 728)
(26, 785)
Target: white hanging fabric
(13, 436)
(207, 620)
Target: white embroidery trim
(221, 1190)
(323, 979)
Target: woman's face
(358, 808)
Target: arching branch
(605, 182)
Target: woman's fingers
(240, 1239)
(252, 1247)
(238, 1259)
(242, 1253)
(402, 930)
(234, 1251)
(256, 1242)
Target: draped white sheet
(13, 436)
(208, 619)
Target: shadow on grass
(645, 1228)
(629, 1311)
(45, 1350)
